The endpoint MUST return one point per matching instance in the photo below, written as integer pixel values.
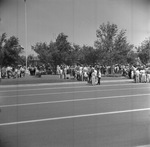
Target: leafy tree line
(144, 51)
(63, 52)
(10, 51)
(111, 47)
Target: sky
(78, 19)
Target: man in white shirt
(137, 76)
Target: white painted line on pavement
(72, 87)
(143, 146)
(42, 94)
(74, 116)
(74, 100)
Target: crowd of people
(81, 73)
(140, 74)
(91, 75)
(13, 72)
(19, 71)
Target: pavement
(75, 114)
(53, 80)
(88, 120)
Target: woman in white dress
(61, 73)
(137, 76)
(94, 73)
(143, 76)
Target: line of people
(90, 74)
(86, 73)
(94, 76)
(13, 72)
(141, 74)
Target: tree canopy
(10, 50)
(112, 44)
(144, 51)
(55, 53)
(111, 47)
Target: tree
(112, 44)
(76, 55)
(22, 60)
(121, 48)
(55, 53)
(132, 58)
(43, 51)
(105, 41)
(144, 51)
(89, 55)
(12, 51)
(63, 48)
(9, 50)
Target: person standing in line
(143, 76)
(95, 70)
(61, 73)
(89, 74)
(58, 69)
(65, 71)
(99, 75)
(148, 75)
(137, 76)
(93, 76)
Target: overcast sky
(79, 19)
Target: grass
(113, 75)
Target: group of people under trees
(87, 73)
(80, 72)
(92, 74)
(13, 72)
(140, 74)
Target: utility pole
(26, 33)
(0, 57)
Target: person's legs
(98, 82)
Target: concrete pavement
(53, 80)
(109, 115)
